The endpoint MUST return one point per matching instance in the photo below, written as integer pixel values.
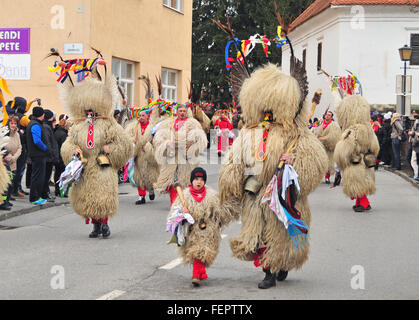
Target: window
(174, 4)
(124, 71)
(169, 84)
(414, 44)
(319, 56)
(304, 58)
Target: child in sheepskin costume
(357, 150)
(329, 134)
(279, 99)
(146, 168)
(178, 143)
(204, 235)
(102, 142)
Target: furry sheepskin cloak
(96, 194)
(271, 90)
(204, 235)
(332, 135)
(358, 147)
(190, 140)
(146, 169)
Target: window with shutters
(174, 4)
(414, 44)
(169, 84)
(124, 70)
(319, 56)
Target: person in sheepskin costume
(178, 143)
(275, 116)
(146, 168)
(356, 152)
(101, 141)
(329, 134)
(203, 236)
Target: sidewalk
(23, 206)
(405, 173)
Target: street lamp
(405, 54)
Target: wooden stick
(292, 144)
(316, 101)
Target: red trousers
(362, 201)
(257, 257)
(198, 270)
(97, 221)
(142, 192)
(173, 194)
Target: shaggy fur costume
(146, 169)
(357, 140)
(271, 90)
(95, 196)
(203, 243)
(332, 135)
(203, 120)
(189, 140)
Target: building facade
(360, 36)
(136, 37)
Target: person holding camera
(396, 140)
(414, 134)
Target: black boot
(151, 195)
(96, 231)
(281, 275)
(141, 200)
(106, 232)
(269, 280)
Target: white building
(362, 36)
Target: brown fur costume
(96, 194)
(357, 140)
(189, 140)
(332, 135)
(269, 89)
(146, 168)
(203, 243)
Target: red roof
(319, 6)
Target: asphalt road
(356, 256)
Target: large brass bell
(252, 185)
(369, 160)
(356, 159)
(103, 160)
(83, 159)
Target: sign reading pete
(14, 40)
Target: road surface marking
(111, 295)
(172, 264)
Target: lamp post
(405, 54)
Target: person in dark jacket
(53, 154)
(60, 134)
(38, 153)
(384, 138)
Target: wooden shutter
(414, 44)
(319, 56)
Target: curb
(404, 176)
(16, 213)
